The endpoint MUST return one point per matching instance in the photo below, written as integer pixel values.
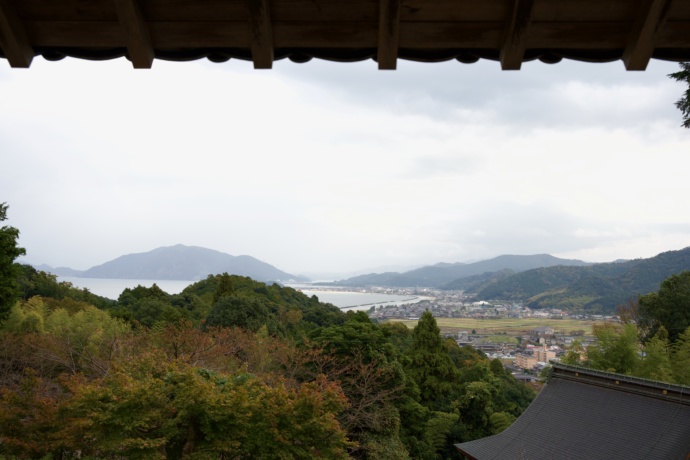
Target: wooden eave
(262, 31)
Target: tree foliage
(680, 362)
(93, 384)
(656, 363)
(77, 339)
(462, 388)
(683, 104)
(9, 270)
(616, 350)
(239, 311)
(653, 340)
(657, 359)
(154, 375)
(361, 356)
(430, 365)
(669, 307)
(597, 288)
(152, 409)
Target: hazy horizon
(325, 276)
(339, 168)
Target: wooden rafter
(13, 38)
(513, 46)
(139, 45)
(261, 31)
(641, 42)
(389, 34)
(347, 30)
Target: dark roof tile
(586, 419)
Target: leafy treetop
(669, 307)
(9, 251)
(683, 104)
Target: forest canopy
(653, 340)
(234, 368)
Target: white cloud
(332, 167)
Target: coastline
(361, 300)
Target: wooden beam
(416, 35)
(261, 33)
(513, 46)
(641, 42)
(139, 45)
(14, 41)
(389, 34)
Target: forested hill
(156, 375)
(441, 274)
(596, 288)
(183, 263)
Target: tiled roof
(582, 414)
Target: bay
(112, 288)
(345, 300)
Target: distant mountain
(181, 263)
(60, 271)
(596, 288)
(444, 273)
(476, 282)
(333, 275)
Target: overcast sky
(341, 168)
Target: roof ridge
(652, 388)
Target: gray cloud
(535, 228)
(534, 97)
(337, 167)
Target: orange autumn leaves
(172, 393)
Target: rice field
(509, 326)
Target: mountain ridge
(180, 262)
(433, 276)
(598, 287)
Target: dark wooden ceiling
(511, 31)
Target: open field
(509, 326)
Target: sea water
(346, 300)
(112, 288)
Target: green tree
(131, 295)
(680, 362)
(476, 407)
(656, 364)
(82, 341)
(575, 354)
(683, 104)
(34, 282)
(669, 307)
(431, 366)
(150, 310)
(357, 335)
(437, 428)
(500, 421)
(225, 287)
(239, 311)
(616, 349)
(364, 362)
(9, 270)
(28, 316)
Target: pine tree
(431, 367)
(683, 103)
